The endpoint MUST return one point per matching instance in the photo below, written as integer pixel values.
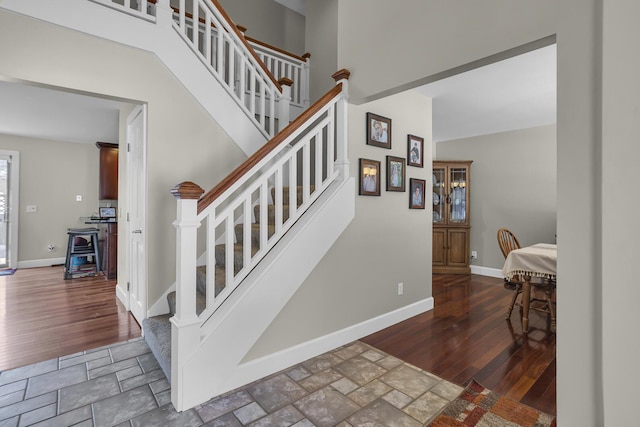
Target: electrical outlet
(51, 248)
(78, 197)
(32, 208)
(400, 288)
(474, 255)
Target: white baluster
(164, 13)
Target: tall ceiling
(39, 112)
(516, 93)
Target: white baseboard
(487, 271)
(47, 262)
(296, 354)
(123, 296)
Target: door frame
(14, 207)
(123, 293)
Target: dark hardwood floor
(43, 316)
(466, 336)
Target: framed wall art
(416, 196)
(369, 177)
(415, 151)
(378, 131)
(395, 173)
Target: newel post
(342, 123)
(304, 83)
(185, 327)
(284, 103)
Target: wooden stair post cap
(285, 81)
(341, 74)
(187, 190)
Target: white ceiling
(61, 116)
(516, 93)
(299, 6)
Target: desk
(533, 261)
(109, 242)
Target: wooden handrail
(238, 33)
(277, 49)
(253, 53)
(254, 159)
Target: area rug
(7, 272)
(477, 406)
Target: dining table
(536, 261)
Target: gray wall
(620, 161)
(322, 43)
(386, 243)
(513, 185)
(52, 173)
(394, 45)
(598, 151)
(184, 142)
(269, 22)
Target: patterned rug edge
(479, 406)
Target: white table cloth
(535, 261)
(532, 261)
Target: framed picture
(378, 131)
(369, 177)
(395, 173)
(416, 197)
(415, 151)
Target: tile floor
(123, 385)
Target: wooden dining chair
(509, 242)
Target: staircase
(158, 328)
(273, 218)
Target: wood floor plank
(466, 336)
(43, 316)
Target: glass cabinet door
(457, 199)
(438, 196)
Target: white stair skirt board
(161, 306)
(246, 314)
(255, 369)
(104, 22)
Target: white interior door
(9, 175)
(136, 170)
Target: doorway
(136, 202)
(9, 187)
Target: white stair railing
(224, 51)
(288, 65)
(310, 153)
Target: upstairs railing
(283, 64)
(309, 154)
(262, 79)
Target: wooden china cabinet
(451, 222)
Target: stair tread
(157, 334)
